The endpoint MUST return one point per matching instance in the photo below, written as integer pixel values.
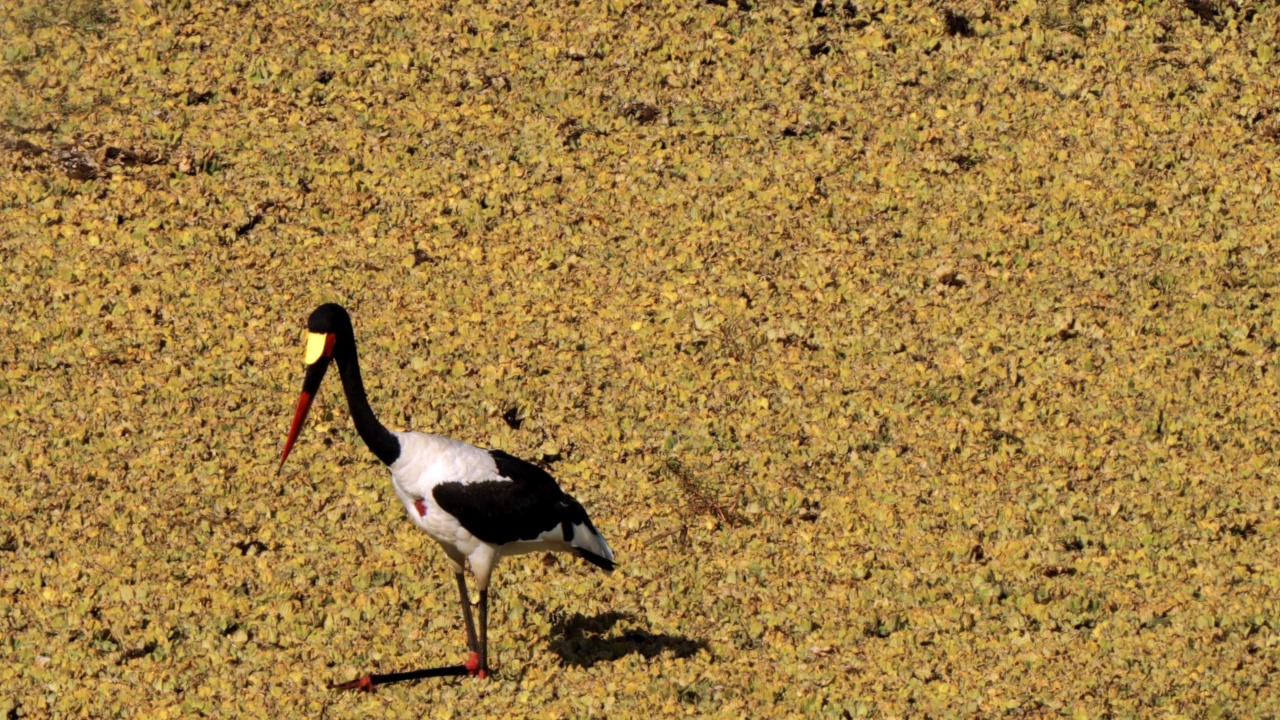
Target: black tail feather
(594, 559)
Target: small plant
(83, 15)
(699, 497)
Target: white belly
(440, 525)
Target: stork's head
(326, 324)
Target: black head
(327, 324)
(329, 318)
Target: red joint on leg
(483, 674)
(473, 663)
(420, 506)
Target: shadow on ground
(584, 641)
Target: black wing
(523, 504)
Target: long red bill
(310, 386)
(299, 416)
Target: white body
(429, 460)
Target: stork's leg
(466, 611)
(484, 632)
(473, 659)
(482, 560)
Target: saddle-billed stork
(480, 505)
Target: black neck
(375, 434)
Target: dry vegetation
(918, 359)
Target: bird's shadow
(583, 641)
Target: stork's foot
(363, 684)
(474, 668)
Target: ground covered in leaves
(917, 359)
